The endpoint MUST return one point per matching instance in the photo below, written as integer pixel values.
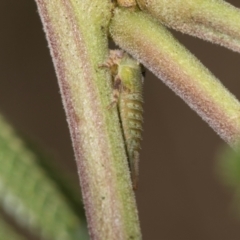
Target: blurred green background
(179, 195)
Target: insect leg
(114, 58)
(117, 88)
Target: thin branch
(77, 35)
(150, 43)
(213, 20)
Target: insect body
(127, 94)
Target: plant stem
(150, 43)
(213, 20)
(77, 35)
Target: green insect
(127, 95)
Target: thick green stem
(212, 20)
(77, 35)
(154, 46)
